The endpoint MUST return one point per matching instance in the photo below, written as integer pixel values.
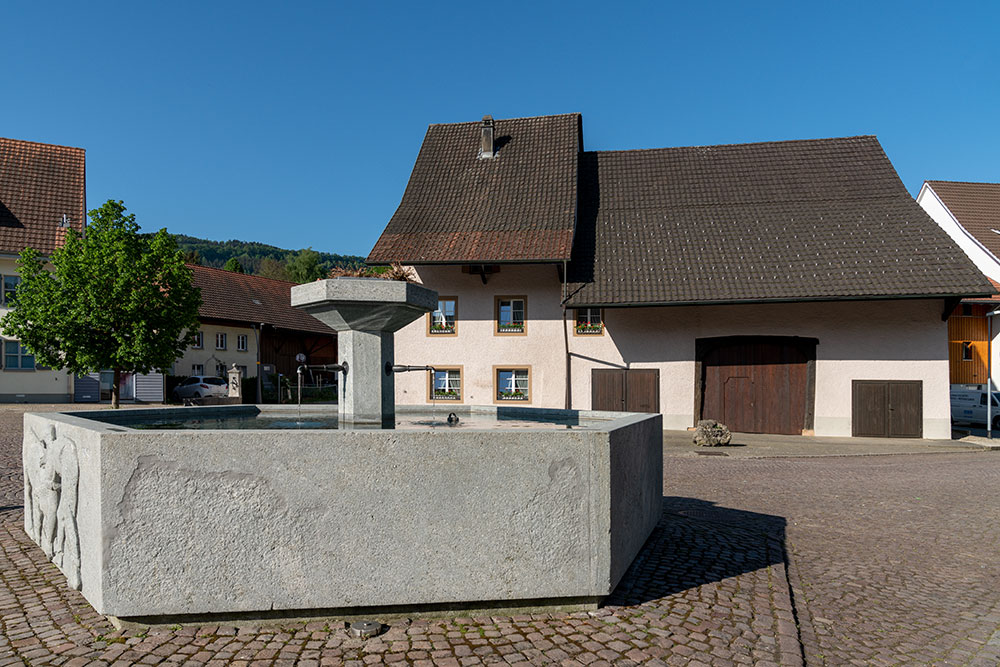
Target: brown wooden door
(631, 390)
(607, 386)
(757, 385)
(642, 390)
(887, 408)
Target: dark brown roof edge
(44, 143)
(479, 122)
(887, 297)
(931, 181)
(775, 142)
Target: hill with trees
(264, 260)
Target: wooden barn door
(631, 390)
(887, 408)
(757, 384)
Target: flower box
(512, 396)
(442, 328)
(445, 395)
(589, 328)
(514, 327)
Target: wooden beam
(950, 304)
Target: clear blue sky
(297, 124)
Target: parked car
(968, 405)
(200, 386)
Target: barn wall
(864, 340)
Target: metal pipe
(391, 368)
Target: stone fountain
(167, 515)
(365, 313)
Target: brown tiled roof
(776, 221)
(39, 183)
(237, 297)
(518, 206)
(976, 206)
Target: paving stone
(846, 560)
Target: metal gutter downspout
(568, 379)
(989, 375)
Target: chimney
(486, 150)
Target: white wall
(892, 340)
(208, 356)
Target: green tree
(114, 299)
(305, 267)
(272, 268)
(233, 264)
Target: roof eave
(736, 302)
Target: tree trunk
(116, 388)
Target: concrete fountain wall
(195, 523)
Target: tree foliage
(114, 299)
(305, 267)
(233, 264)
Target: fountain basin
(173, 524)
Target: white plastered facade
(858, 340)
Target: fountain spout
(365, 312)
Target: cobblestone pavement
(891, 560)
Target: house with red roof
(248, 321)
(970, 214)
(42, 196)
(779, 287)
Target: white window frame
(220, 337)
(519, 380)
(452, 381)
(199, 341)
(4, 300)
(241, 343)
(438, 323)
(198, 369)
(588, 318)
(20, 353)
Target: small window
(220, 341)
(446, 384)
(221, 370)
(243, 371)
(199, 341)
(966, 351)
(511, 312)
(197, 369)
(241, 343)
(9, 294)
(512, 384)
(589, 322)
(444, 320)
(17, 357)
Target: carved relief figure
(51, 477)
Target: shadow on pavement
(698, 542)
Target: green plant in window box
(512, 326)
(445, 393)
(516, 395)
(589, 328)
(442, 328)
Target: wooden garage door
(887, 408)
(632, 390)
(757, 385)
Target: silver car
(200, 386)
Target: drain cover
(711, 454)
(365, 628)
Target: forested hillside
(264, 260)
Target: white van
(968, 405)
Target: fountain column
(365, 313)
